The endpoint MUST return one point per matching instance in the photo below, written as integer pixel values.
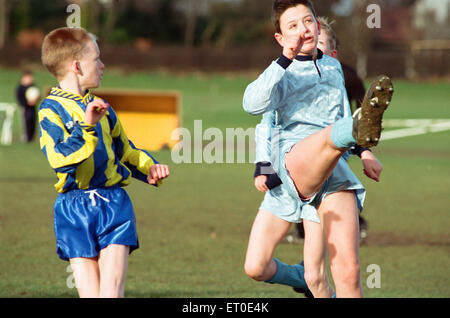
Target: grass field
(193, 231)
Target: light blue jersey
(298, 101)
(298, 98)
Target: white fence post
(7, 129)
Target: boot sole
(367, 130)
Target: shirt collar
(86, 99)
(309, 57)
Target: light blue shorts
(86, 222)
(285, 203)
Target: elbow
(256, 104)
(252, 108)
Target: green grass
(193, 231)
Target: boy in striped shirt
(85, 144)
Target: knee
(255, 270)
(314, 278)
(352, 275)
(349, 275)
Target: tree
(4, 22)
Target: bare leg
(312, 160)
(87, 276)
(314, 252)
(113, 263)
(267, 231)
(341, 230)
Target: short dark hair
(280, 6)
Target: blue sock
(291, 275)
(342, 133)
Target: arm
(267, 92)
(265, 176)
(61, 147)
(263, 137)
(372, 167)
(141, 164)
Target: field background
(193, 231)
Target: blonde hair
(325, 26)
(61, 45)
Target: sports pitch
(193, 231)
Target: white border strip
(415, 127)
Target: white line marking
(415, 127)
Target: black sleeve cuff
(284, 62)
(273, 181)
(358, 150)
(265, 168)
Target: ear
(334, 54)
(319, 28)
(76, 67)
(279, 38)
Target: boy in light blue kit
(302, 95)
(84, 142)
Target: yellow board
(149, 118)
(149, 131)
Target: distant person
(84, 142)
(28, 95)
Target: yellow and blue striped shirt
(87, 156)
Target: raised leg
(312, 160)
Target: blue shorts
(284, 201)
(88, 221)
